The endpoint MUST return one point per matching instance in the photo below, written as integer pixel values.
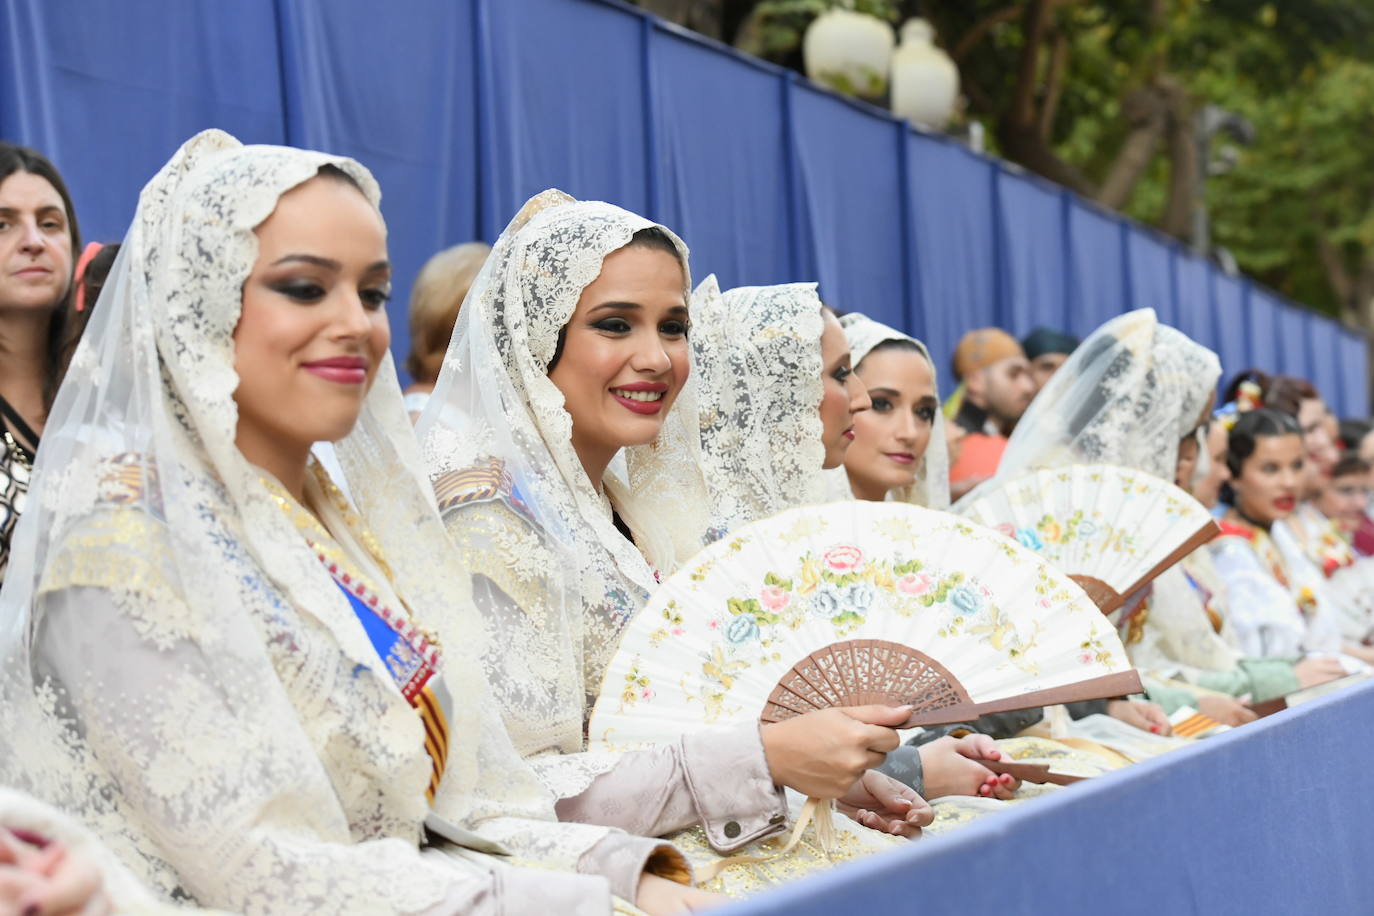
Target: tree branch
(1034, 23)
(1054, 84)
(980, 29)
(1337, 276)
(1185, 169)
(1145, 112)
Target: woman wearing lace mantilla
(572, 346)
(260, 696)
(1134, 394)
(772, 407)
(899, 450)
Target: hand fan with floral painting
(1111, 529)
(853, 603)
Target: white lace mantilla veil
(931, 486)
(553, 577)
(755, 395)
(162, 618)
(1127, 396)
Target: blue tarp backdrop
(464, 108)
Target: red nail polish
(1155, 729)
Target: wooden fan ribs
(862, 671)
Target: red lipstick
(650, 402)
(345, 370)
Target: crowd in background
(172, 567)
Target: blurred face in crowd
(842, 396)
(313, 328)
(1365, 447)
(1044, 366)
(35, 243)
(891, 437)
(1319, 443)
(1267, 487)
(1344, 500)
(1188, 450)
(1004, 390)
(1189, 447)
(625, 354)
(1207, 489)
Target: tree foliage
(1103, 98)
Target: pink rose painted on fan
(774, 598)
(844, 558)
(915, 584)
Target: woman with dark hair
(1274, 599)
(1307, 538)
(38, 242)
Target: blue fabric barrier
(1033, 262)
(1096, 242)
(1270, 818)
(1193, 298)
(1261, 312)
(953, 244)
(1231, 329)
(463, 108)
(1149, 274)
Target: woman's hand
(823, 753)
(661, 897)
(951, 767)
(1317, 669)
(48, 881)
(881, 803)
(1145, 716)
(1225, 710)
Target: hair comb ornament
(1249, 396)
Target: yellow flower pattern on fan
(716, 638)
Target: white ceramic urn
(925, 82)
(849, 52)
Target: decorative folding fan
(854, 603)
(1110, 528)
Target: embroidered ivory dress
(254, 706)
(554, 573)
(1347, 585)
(1273, 602)
(553, 576)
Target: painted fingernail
(1005, 779)
(1155, 729)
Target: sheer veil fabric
(746, 439)
(181, 672)
(554, 579)
(1127, 396)
(931, 486)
